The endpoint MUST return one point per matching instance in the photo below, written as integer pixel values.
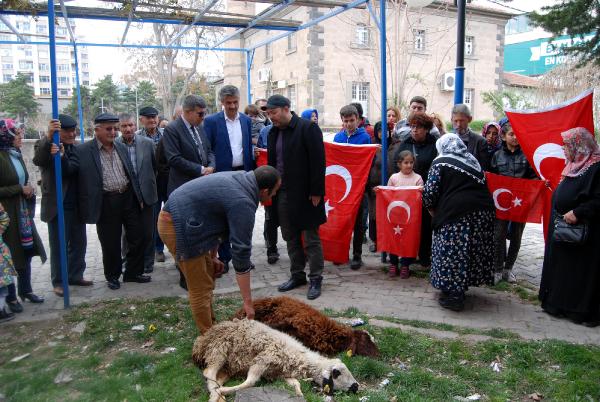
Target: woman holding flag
(570, 285)
(463, 213)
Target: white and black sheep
(252, 349)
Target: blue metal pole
(459, 75)
(57, 162)
(78, 89)
(383, 61)
(249, 60)
(129, 46)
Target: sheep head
(363, 344)
(336, 376)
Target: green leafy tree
(576, 18)
(86, 105)
(106, 97)
(500, 100)
(146, 96)
(17, 98)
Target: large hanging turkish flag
(399, 219)
(517, 200)
(345, 180)
(538, 132)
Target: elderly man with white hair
(476, 143)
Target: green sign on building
(536, 57)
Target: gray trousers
(503, 259)
(76, 239)
(312, 250)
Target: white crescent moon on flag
(400, 204)
(341, 171)
(495, 196)
(549, 150)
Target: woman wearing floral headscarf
(463, 222)
(492, 132)
(21, 236)
(570, 285)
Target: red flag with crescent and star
(517, 200)
(538, 132)
(346, 173)
(399, 219)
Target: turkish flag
(399, 219)
(345, 180)
(538, 132)
(517, 200)
(262, 157)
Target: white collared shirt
(234, 129)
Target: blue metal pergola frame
(249, 53)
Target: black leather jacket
(514, 164)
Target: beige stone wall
(410, 72)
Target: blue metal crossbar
(129, 46)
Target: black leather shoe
(113, 284)
(32, 298)
(138, 279)
(356, 262)
(6, 316)
(293, 283)
(15, 306)
(454, 301)
(314, 290)
(272, 258)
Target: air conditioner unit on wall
(264, 75)
(448, 81)
(281, 84)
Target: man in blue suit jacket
(229, 134)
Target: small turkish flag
(538, 132)
(517, 200)
(261, 160)
(345, 180)
(399, 219)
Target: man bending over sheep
(201, 214)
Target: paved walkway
(368, 289)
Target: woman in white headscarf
(463, 222)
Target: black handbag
(566, 233)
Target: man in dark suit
(110, 197)
(75, 234)
(141, 153)
(230, 136)
(186, 147)
(295, 149)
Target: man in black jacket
(295, 149)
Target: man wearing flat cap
(110, 197)
(295, 148)
(75, 234)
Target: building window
(44, 91)
(84, 56)
(419, 39)
(63, 92)
(362, 37)
(44, 78)
(29, 77)
(468, 98)
(360, 94)
(291, 43)
(41, 29)
(7, 77)
(25, 65)
(23, 26)
(85, 66)
(7, 66)
(61, 31)
(62, 80)
(44, 67)
(62, 67)
(291, 95)
(469, 45)
(4, 37)
(268, 52)
(86, 83)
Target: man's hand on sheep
(249, 309)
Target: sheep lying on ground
(314, 329)
(248, 347)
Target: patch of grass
(111, 362)
(524, 290)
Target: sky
(105, 61)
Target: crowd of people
(192, 184)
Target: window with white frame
(23, 26)
(468, 98)
(7, 77)
(291, 42)
(4, 37)
(469, 45)
(25, 65)
(44, 67)
(44, 78)
(63, 92)
(62, 67)
(291, 95)
(44, 91)
(85, 83)
(41, 29)
(268, 52)
(361, 36)
(61, 30)
(29, 77)
(419, 39)
(62, 80)
(360, 94)
(7, 66)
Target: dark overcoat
(304, 170)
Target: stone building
(337, 61)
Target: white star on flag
(397, 230)
(517, 202)
(327, 208)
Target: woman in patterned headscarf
(463, 222)
(21, 236)
(493, 136)
(570, 284)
